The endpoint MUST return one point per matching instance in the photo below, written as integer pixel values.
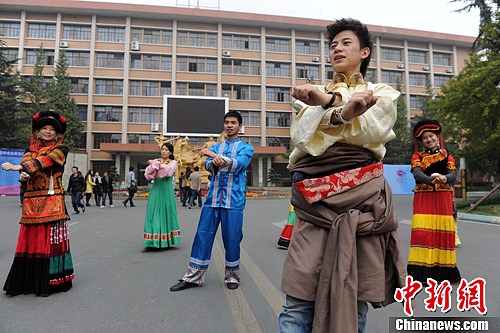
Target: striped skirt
(42, 263)
(432, 245)
(286, 233)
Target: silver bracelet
(338, 117)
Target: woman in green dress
(161, 225)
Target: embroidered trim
(316, 189)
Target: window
(416, 102)
(307, 71)
(10, 29)
(108, 87)
(166, 63)
(106, 138)
(241, 92)
(199, 65)
(110, 34)
(278, 94)
(47, 57)
(442, 59)
(307, 47)
(79, 86)
(392, 77)
(237, 66)
(134, 115)
(165, 88)
(109, 60)
(250, 118)
(277, 45)
(278, 142)
(151, 36)
(149, 115)
(40, 30)
(77, 58)
(150, 88)
(417, 57)
(196, 89)
(10, 54)
(143, 138)
(441, 79)
(241, 42)
(150, 61)
(370, 76)
(418, 79)
(77, 32)
(278, 69)
(391, 54)
(82, 112)
(135, 61)
(328, 74)
(277, 119)
(108, 113)
(251, 140)
(135, 88)
(197, 39)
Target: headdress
(46, 117)
(49, 117)
(427, 125)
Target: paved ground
(119, 289)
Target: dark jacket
(107, 184)
(76, 183)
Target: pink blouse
(157, 169)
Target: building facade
(123, 58)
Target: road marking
(280, 224)
(243, 316)
(405, 221)
(273, 296)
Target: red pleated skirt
(42, 262)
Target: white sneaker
(111, 206)
(102, 206)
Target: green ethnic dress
(161, 225)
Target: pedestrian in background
(89, 187)
(187, 187)
(195, 179)
(182, 190)
(107, 189)
(97, 188)
(76, 187)
(131, 186)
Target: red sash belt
(316, 189)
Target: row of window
(209, 65)
(232, 91)
(206, 39)
(99, 138)
(155, 115)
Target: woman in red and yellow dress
(42, 262)
(432, 245)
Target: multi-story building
(123, 58)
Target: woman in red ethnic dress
(432, 245)
(42, 262)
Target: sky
(428, 15)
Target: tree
(40, 95)
(9, 106)
(34, 95)
(470, 103)
(399, 150)
(59, 99)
